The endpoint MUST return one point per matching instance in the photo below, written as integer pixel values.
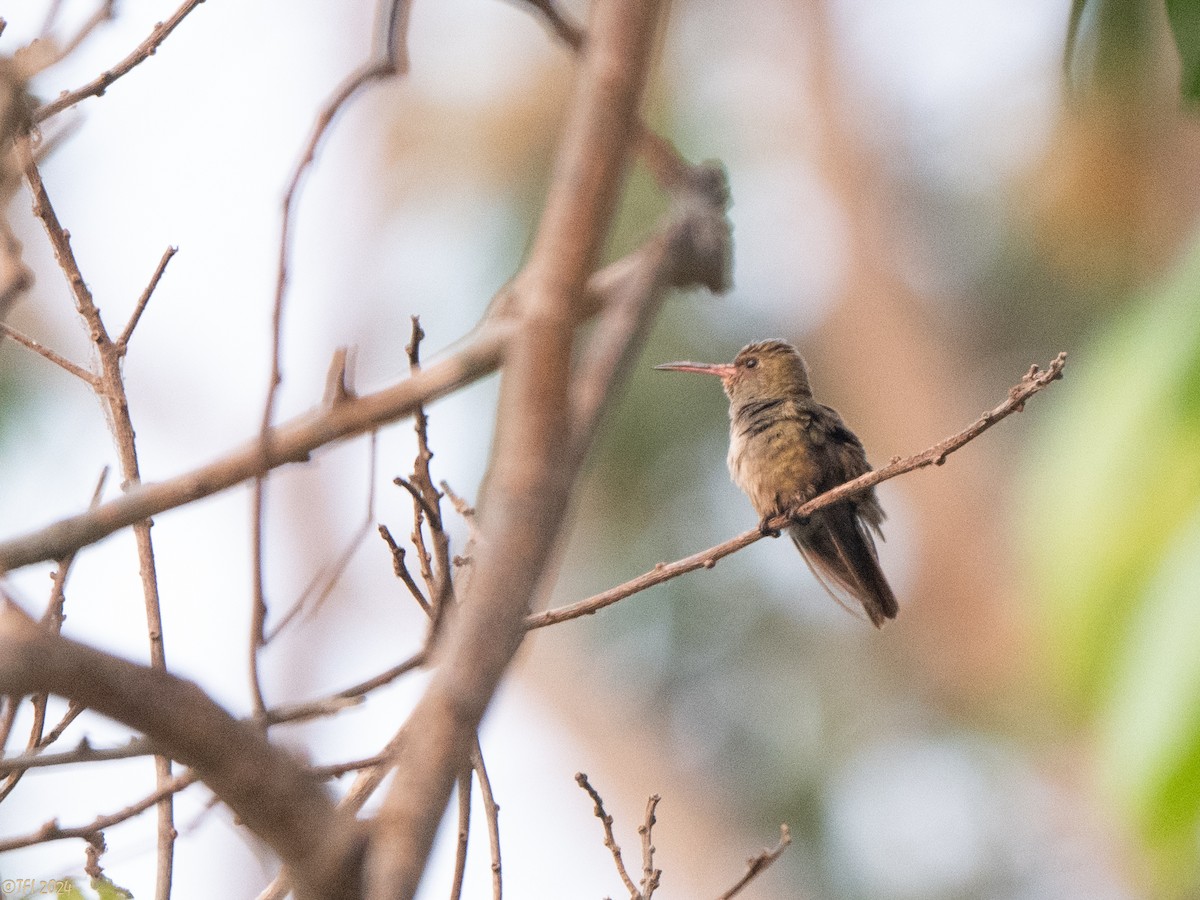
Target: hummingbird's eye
(751, 363)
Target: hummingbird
(784, 450)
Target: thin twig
(665, 163)
(127, 331)
(1033, 382)
(323, 582)
(464, 834)
(83, 753)
(756, 865)
(8, 718)
(296, 712)
(313, 708)
(102, 82)
(46, 353)
(357, 81)
(55, 612)
(104, 12)
(298, 438)
(491, 814)
(609, 841)
(438, 580)
(110, 390)
(567, 31)
(650, 875)
(258, 597)
(401, 569)
(52, 831)
(336, 770)
(364, 76)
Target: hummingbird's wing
(836, 542)
(840, 551)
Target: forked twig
(609, 840)
(650, 875)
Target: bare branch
(52, 831)
(296, 712)
(529, 478)
(127, 332)
(401, 569)
(110, 390)
(1033, 382)
(46, 353)
(266, 788)
(83, 753)
(491, 813)
(103, 13)
(563, 28)
(650, 875)
(609, 840)
(396, 34)
(292, 441)
(464, 834)
(102, 82)
(760, 863)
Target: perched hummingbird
(785, 449)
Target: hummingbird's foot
(764, 526)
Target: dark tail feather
(839, 549)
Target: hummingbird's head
(764, 370)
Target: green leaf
(1117, 480)
(1185, 26)
(1124, 48)
(1150, 730)
(1114, 526)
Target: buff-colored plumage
(785, 449)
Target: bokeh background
(928, 196)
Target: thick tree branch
(272, 793)
(525, 493)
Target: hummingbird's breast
(771, 455)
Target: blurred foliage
(1115, 47)
(1114, 530)
(1114, 505)
(1185, 24)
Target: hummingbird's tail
(839, 549)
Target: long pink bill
(721, 370)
